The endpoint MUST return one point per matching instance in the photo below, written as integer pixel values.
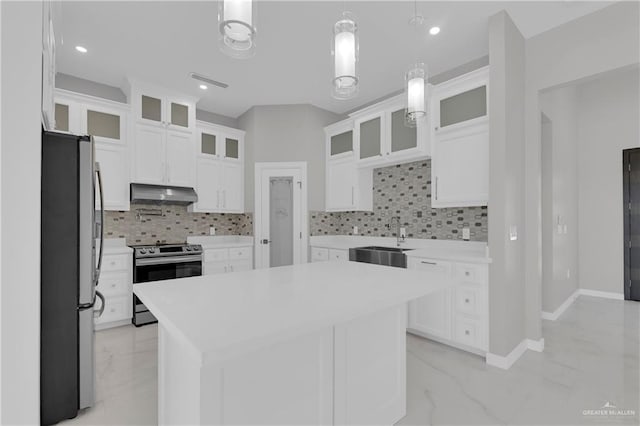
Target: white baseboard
(535, 345)
(505, 362)
(603, 294)
(552, 316)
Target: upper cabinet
(164, 136)
(48, 65)
(219, 169)
(382, 138)
(107, 122)
(460, 146)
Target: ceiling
(162, 42)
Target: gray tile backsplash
(405, 191)
(174, 226)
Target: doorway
(631, 208)
(280, 226)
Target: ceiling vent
(208, 80)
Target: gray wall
(283, 133)
(506, 184)
(88, 87)
(602, 41)
(608, 120)
(559, 197)
(20, 118)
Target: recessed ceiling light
(81, 49)
(203, 87)
(434, 30)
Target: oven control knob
(152, 250)
(187, 248)
(143, 251)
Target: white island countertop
(220, 317)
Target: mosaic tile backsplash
(174, 226)
(405, 191)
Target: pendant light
(416, 82)
(237, 26)
(344, 50)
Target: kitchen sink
(388, 256)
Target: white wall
(602, 41)
(559, 197)
(608, 120)
(287, 133)
(506, 184)
(20, 147)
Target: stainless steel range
(162, 262)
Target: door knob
(265, 241)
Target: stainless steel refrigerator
(70, 270)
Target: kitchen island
(316, 343)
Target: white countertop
(221, 241)
(222, 316)
(461, 251)
(116, 246)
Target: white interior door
(281, 211)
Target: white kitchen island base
(352, 373)
(310, 344)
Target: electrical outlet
(513, 233)
(403, 232)
(355, 230)
(212, 230)
(466, 233)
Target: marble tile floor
(591, 357)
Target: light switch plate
(403, 232)
(212, 230)
(466, 233)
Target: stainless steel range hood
(158, 194)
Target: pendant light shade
(237, 26)
(415, 90)
(345, 57)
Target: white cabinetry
(106, 121)
(116, 285)
(223, 260)
(163, 128)
(219, 169)
(321, 254)
(460, 147)
(347, 186)
(457, 315)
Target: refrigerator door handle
(99, 267)
(102, 305)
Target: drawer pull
(466, 273)
(466, 300)
(466, 332)
(428, 263)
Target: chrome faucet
(399, 238)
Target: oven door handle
(167, 260)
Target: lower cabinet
(457, 315)
(321, 254)
(223, 260)
(116, 285)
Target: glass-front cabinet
(369, 132)
(219, 142)
(155, 106)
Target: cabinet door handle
(436, 187)
(353, 196)
(466, 332)
(218, 198)
(224, 198)
(168, 173)
(428, 263)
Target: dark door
(631, 206)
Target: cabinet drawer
(470, 273)
(240, 265)
(430, 265)
(469, 299)
(211, 268)
(240, 253)
(319, 254)
(116, 309)
(115, 283)
(120, 262)
(340, 255)
(216, 255)
(469, 331)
